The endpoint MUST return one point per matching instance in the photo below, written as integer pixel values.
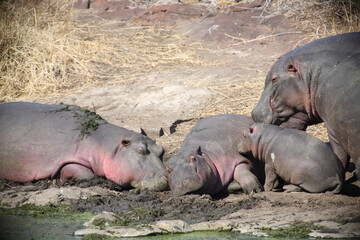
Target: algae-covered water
(15, 227)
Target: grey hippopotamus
(208, 160)
(318, 82)
(295, 157)
(39, 141)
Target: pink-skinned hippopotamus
(295, 157)
(39, 141)
(208, 161)
(318, 82)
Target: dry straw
(47, 49)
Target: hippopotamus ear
(198, 151)
(252, 129)
(142, 132)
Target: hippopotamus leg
(246, 179)
(72, 172)
(339, 150)
(270, 178)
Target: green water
(14, 227)
(26, 227)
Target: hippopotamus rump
(39, 141)
(208, 160)
(294, 156)
(318, 82)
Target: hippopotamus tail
(337, 188)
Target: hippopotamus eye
(142, 151)
(274, 79)
(291, 68)
(192, 159)
(126, 143)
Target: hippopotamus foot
(292, 188)
(233, 187)
(72, 172)
(336, 190)
(247, 180)
(357, 171)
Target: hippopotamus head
(134, 160)
(296, 81)
(189, 170)
(251, 136)
(285, 98)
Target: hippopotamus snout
(155, 176)
(183, 176)
(183, 186)
(262, 112)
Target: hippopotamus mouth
(298, 121)
(158, 184)
(193, 176)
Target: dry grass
(36, 50)
(320, 18)
(46, 51)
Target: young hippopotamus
(318, 82)
(294, 156)
(208, 160)
(39, 141)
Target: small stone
(106, 216)
(84, 232)
(174, 226)
(219, 225)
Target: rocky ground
(224, 54)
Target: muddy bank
(253, 214)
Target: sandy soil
(231, 50)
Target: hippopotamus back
(39, 141)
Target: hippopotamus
(65, 142)
(208, 161)
(318, 82)
(295, 157)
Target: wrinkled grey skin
(294, 156)
(319, 82)
(208, 160)
(39, 141)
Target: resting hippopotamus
(208, 160)
(318, 82)
(39, 141)
(294, 156)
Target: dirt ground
(225, 51)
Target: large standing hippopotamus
(39, 141)
(318, 82)
(294, 156)
(208, 160)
